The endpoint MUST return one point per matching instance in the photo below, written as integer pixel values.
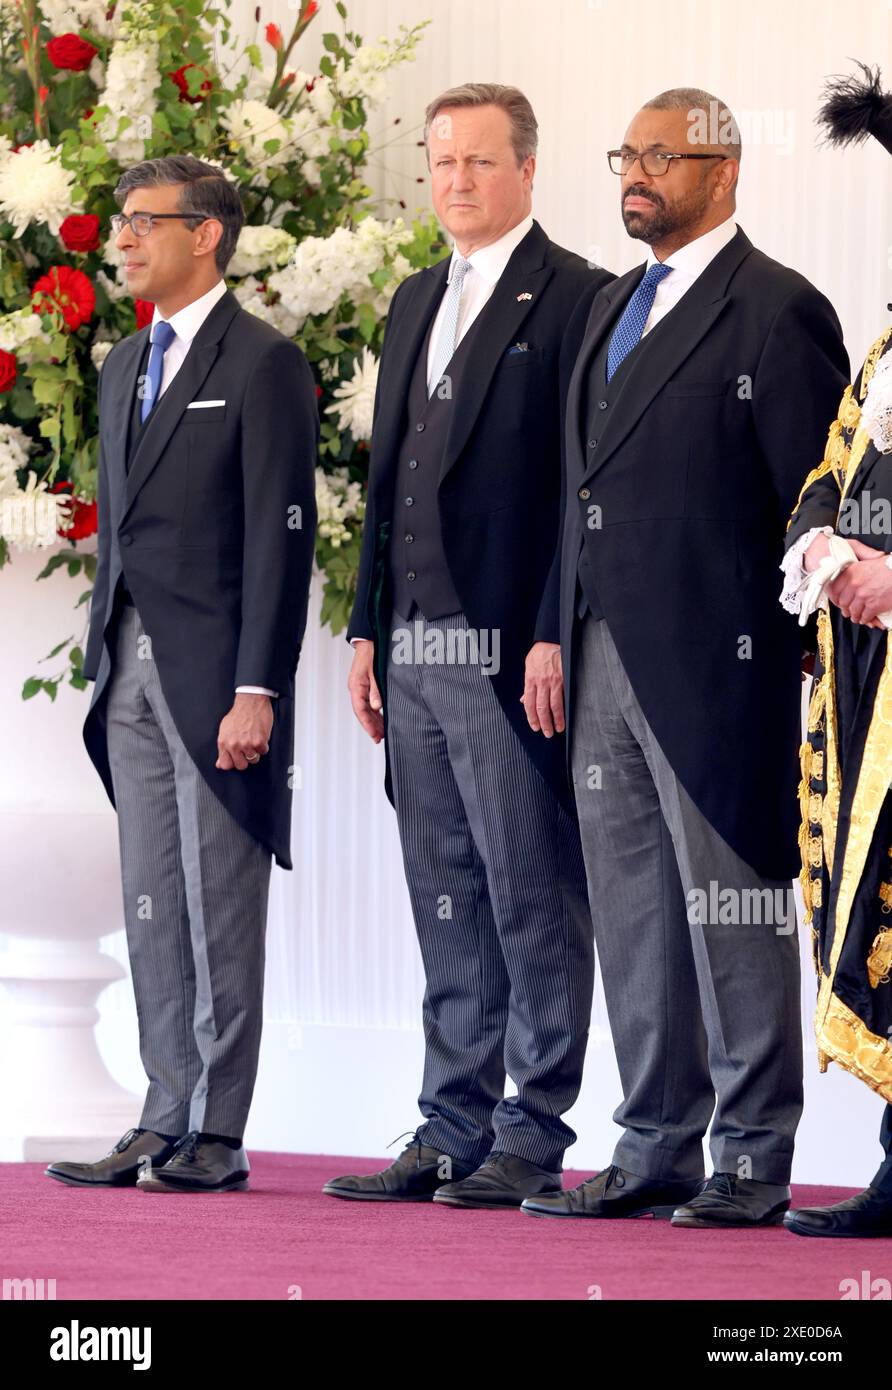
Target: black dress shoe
(502, 1180)
(413, 1177)
(868, 1213)
(612, 1193)
(199, 1165)
(727, 1200)
(121, 1165)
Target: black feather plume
(855, 108)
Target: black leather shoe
(120, 1167)
(612, 1193)
(502, 1180)
(868, 1213)
(199, 1165)
(727, 1200)
(413, 1177)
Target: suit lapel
(681, 331)
(607, 308)
(118, 393)
(186, 384)
(504, 314)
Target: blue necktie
(627, 333)
(162, 337)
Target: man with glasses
(208, 430)
(701, 395)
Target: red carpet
(260, 1244)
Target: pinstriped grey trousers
(704, 1013)
(195, 889)
(497, 883)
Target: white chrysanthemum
(321, 97)
(310, 137)
(34, 187)
(31, 516)
(354, 401)
(323, 270)
(251, 295)
(251, 124)
(68, 16)
(15, 446)
(98, 353)
(21, 328)
(260, 248)
(337, 502)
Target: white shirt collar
(693, 258)
(187, 321)
(490, 261)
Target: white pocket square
(202, 405)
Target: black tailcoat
(499, 480)
(212, 525)
(694, 476)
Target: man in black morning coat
(459, 538)
(701, 396)
(208, 431)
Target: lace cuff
(796, 578)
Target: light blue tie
(628, 332)
(162, 337)
(449, 327)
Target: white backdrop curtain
(341, 1053)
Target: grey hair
(524, 127)
(205, 191)
(697, 102)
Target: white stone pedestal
(58, 1098)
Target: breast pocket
(523, 359)
(204, 415)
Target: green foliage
(54, 398)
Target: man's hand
(364, 694)
(243, 736)
(543, 690)
(816, 552)
(863, 591)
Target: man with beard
(684, 450)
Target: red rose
(80, 231)
(144, 311)
(311, 9)
(83, 517)
(179, 77)
(7, 371)
(274, 36)
(69, 291)
(71, 53)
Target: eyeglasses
(141, 223)
(653, 162)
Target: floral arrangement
(89, 87)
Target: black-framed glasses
(141, 223)
(653, 162)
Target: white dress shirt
(687, 263)
(486, 265)
(185, 324)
